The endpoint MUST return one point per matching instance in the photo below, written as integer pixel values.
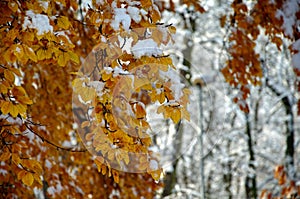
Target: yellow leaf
(172, 29)
(175, 115)
(155, 174)
(36, 166)
(30, 53)
(37, 178)
(16, 159)
(105, 76)
(160, 109)
(155, 16)
(3, 89)
(18, 90)
(27, 179)
(63, 59)
(8, 55)
(9, 76)
(24, 100)
(63, 22)
(5, 107)
(103, 169)
(13, 110)
(13, 6)
(74, 57)
(41, 54)
(161, 97)
(77, 73)
(28, 36)
(21, 174)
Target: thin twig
(51, 143)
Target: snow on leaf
(39, 22)
(146, 47)
(121, 17)
(134, 13)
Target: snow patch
(296, 61)
(121, 17)
(288, 13)
(48, 164)
(296, 45)
(18, 50)
(97, 85)
(146, 47)
(39, 22)
(3, 172)
(176, 85)
(51, 190)
(153, 165)
(120, 71)
(44, 4)
(134, 13)
(67, 144)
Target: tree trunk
(171, 177)
(289, 123)
(250, 183)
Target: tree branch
(53, 144)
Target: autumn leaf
(63, 22)
(116, 176)
(74, 57)
(9, 76)
(28, 179)
(5, 155)
(30, 53)
(5, 107)
(16, 159)
(155, 174)
(63, 58)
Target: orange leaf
(21, 174)
(116, 176)
(27, 179)
(5, 156)
(16, 159)
(9, 76)
(146, 3)
(140, 112)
